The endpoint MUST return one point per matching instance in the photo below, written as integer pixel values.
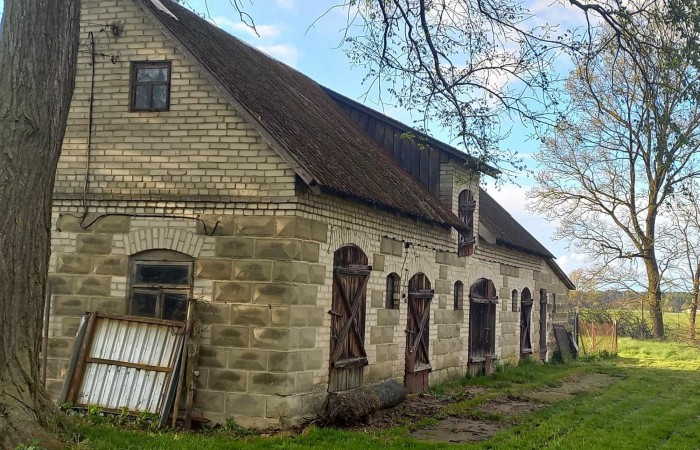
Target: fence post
(593, 327)
(614, 336)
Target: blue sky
(306, 34)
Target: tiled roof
(506, 229)
(326, 147)
(509, 233)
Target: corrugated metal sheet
(126, 362)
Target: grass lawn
(652, 402)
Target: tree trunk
(654, 298)
(694, 303)
(38, 49)
(352, 406)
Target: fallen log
(352, 406)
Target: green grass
(653, 403)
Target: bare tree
(629, 141)
(463, 64)
(38, 48)
(683, 240)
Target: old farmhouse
(325, 249)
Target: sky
(307, 35)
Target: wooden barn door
(482, 325)
(420, 295)
(543, 324)
(525, 323)
(348, 357)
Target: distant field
(643, 398)
(675, 324)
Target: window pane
(150, 74)
(142, 98)
(160, 96)
(162, 274)
(174, 306)
(143, 303)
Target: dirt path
(502, 412)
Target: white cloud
(571, 261)
(263, 31)
(286, 53)
(286, 4)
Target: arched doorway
(525, 323)
(348, 309)
(482, 326)
(420, 295)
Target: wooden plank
(172, 323)
(111, 362)
(63, 396)
(562, 339)
(183, 363)
(81, 362)
(191, 365)
(424, 173)
(351, 362)
(434, 172)
(363, 120)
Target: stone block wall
(403, 246)
(257, 280)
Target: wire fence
(596, 338)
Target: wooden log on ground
(352, 406)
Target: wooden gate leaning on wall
(348, 310)
(417, 369)
(525, 323)
(482, 325)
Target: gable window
(161, 284)
(466, 208)
(459, 295)
(150, 86)
(393, 283)
(554, 303)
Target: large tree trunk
(654, 298)
(38, 49)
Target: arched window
(459, 295)
(393, 291)
(514, 300)
(466, 207)
(160, 284)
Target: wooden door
(420, 296)
(482, 324)
(525, 323)
(347, 355)
(543, 324)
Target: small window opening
(393, 291)
(466, 208)
(161, 284)
(515, 301)
(150, 86)
(459, 295)
(554, 303)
